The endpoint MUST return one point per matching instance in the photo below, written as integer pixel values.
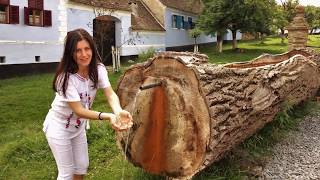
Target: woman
(80, 73)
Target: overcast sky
(306, 2)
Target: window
(2, 59)
(8, 14)
(182, 23)
(177, 22)
(191, 24)
(35, 15)
(174, 21)
(188, 24)
(3, 14)
(37, 58)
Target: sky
(306, 2)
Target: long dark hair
(68, 65)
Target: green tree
(195, 33)
(284, 15)
(260, 16)
(250, 16)
(236, 15)
(312, 14)
(280, 21)
(212, 21)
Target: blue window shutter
(187, 25)
(190, 23)
(174, 21)
(182, 23)
(179, 22)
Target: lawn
(24, 102)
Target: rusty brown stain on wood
(154, 150)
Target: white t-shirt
(61, 122)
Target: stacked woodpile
(188, 113)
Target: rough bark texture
(201, 110)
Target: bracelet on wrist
(99, 116)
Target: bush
(145, 55)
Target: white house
(32, 31)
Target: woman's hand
(123, 120)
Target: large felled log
(189, 113)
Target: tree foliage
(195, 33)
(312, 14)
(285, 13)
(236, 15)
(213, 20)
(260, 16)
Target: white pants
(71, 155)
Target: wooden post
(195, 48)
(118, 58)
(113, 52)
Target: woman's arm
(82, 112)
(113, 99)
(124, 116)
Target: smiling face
(83, 54)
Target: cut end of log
(171, 131)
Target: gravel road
(298, 155)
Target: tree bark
(311, 31)
(219, 42)
(282, 35)
(189, 113)
(234, 39)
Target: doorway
(104, 36)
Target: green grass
(252, 49)
(24, 152)
(314, 42)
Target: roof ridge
(147, 8)
(171, 4)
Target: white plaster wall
(180, 37)
(80, 19)
(25, 53)
(23, 32)
(142, 41)
(20, 43)
(228, 36)
(130, 42)
(81, 16)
